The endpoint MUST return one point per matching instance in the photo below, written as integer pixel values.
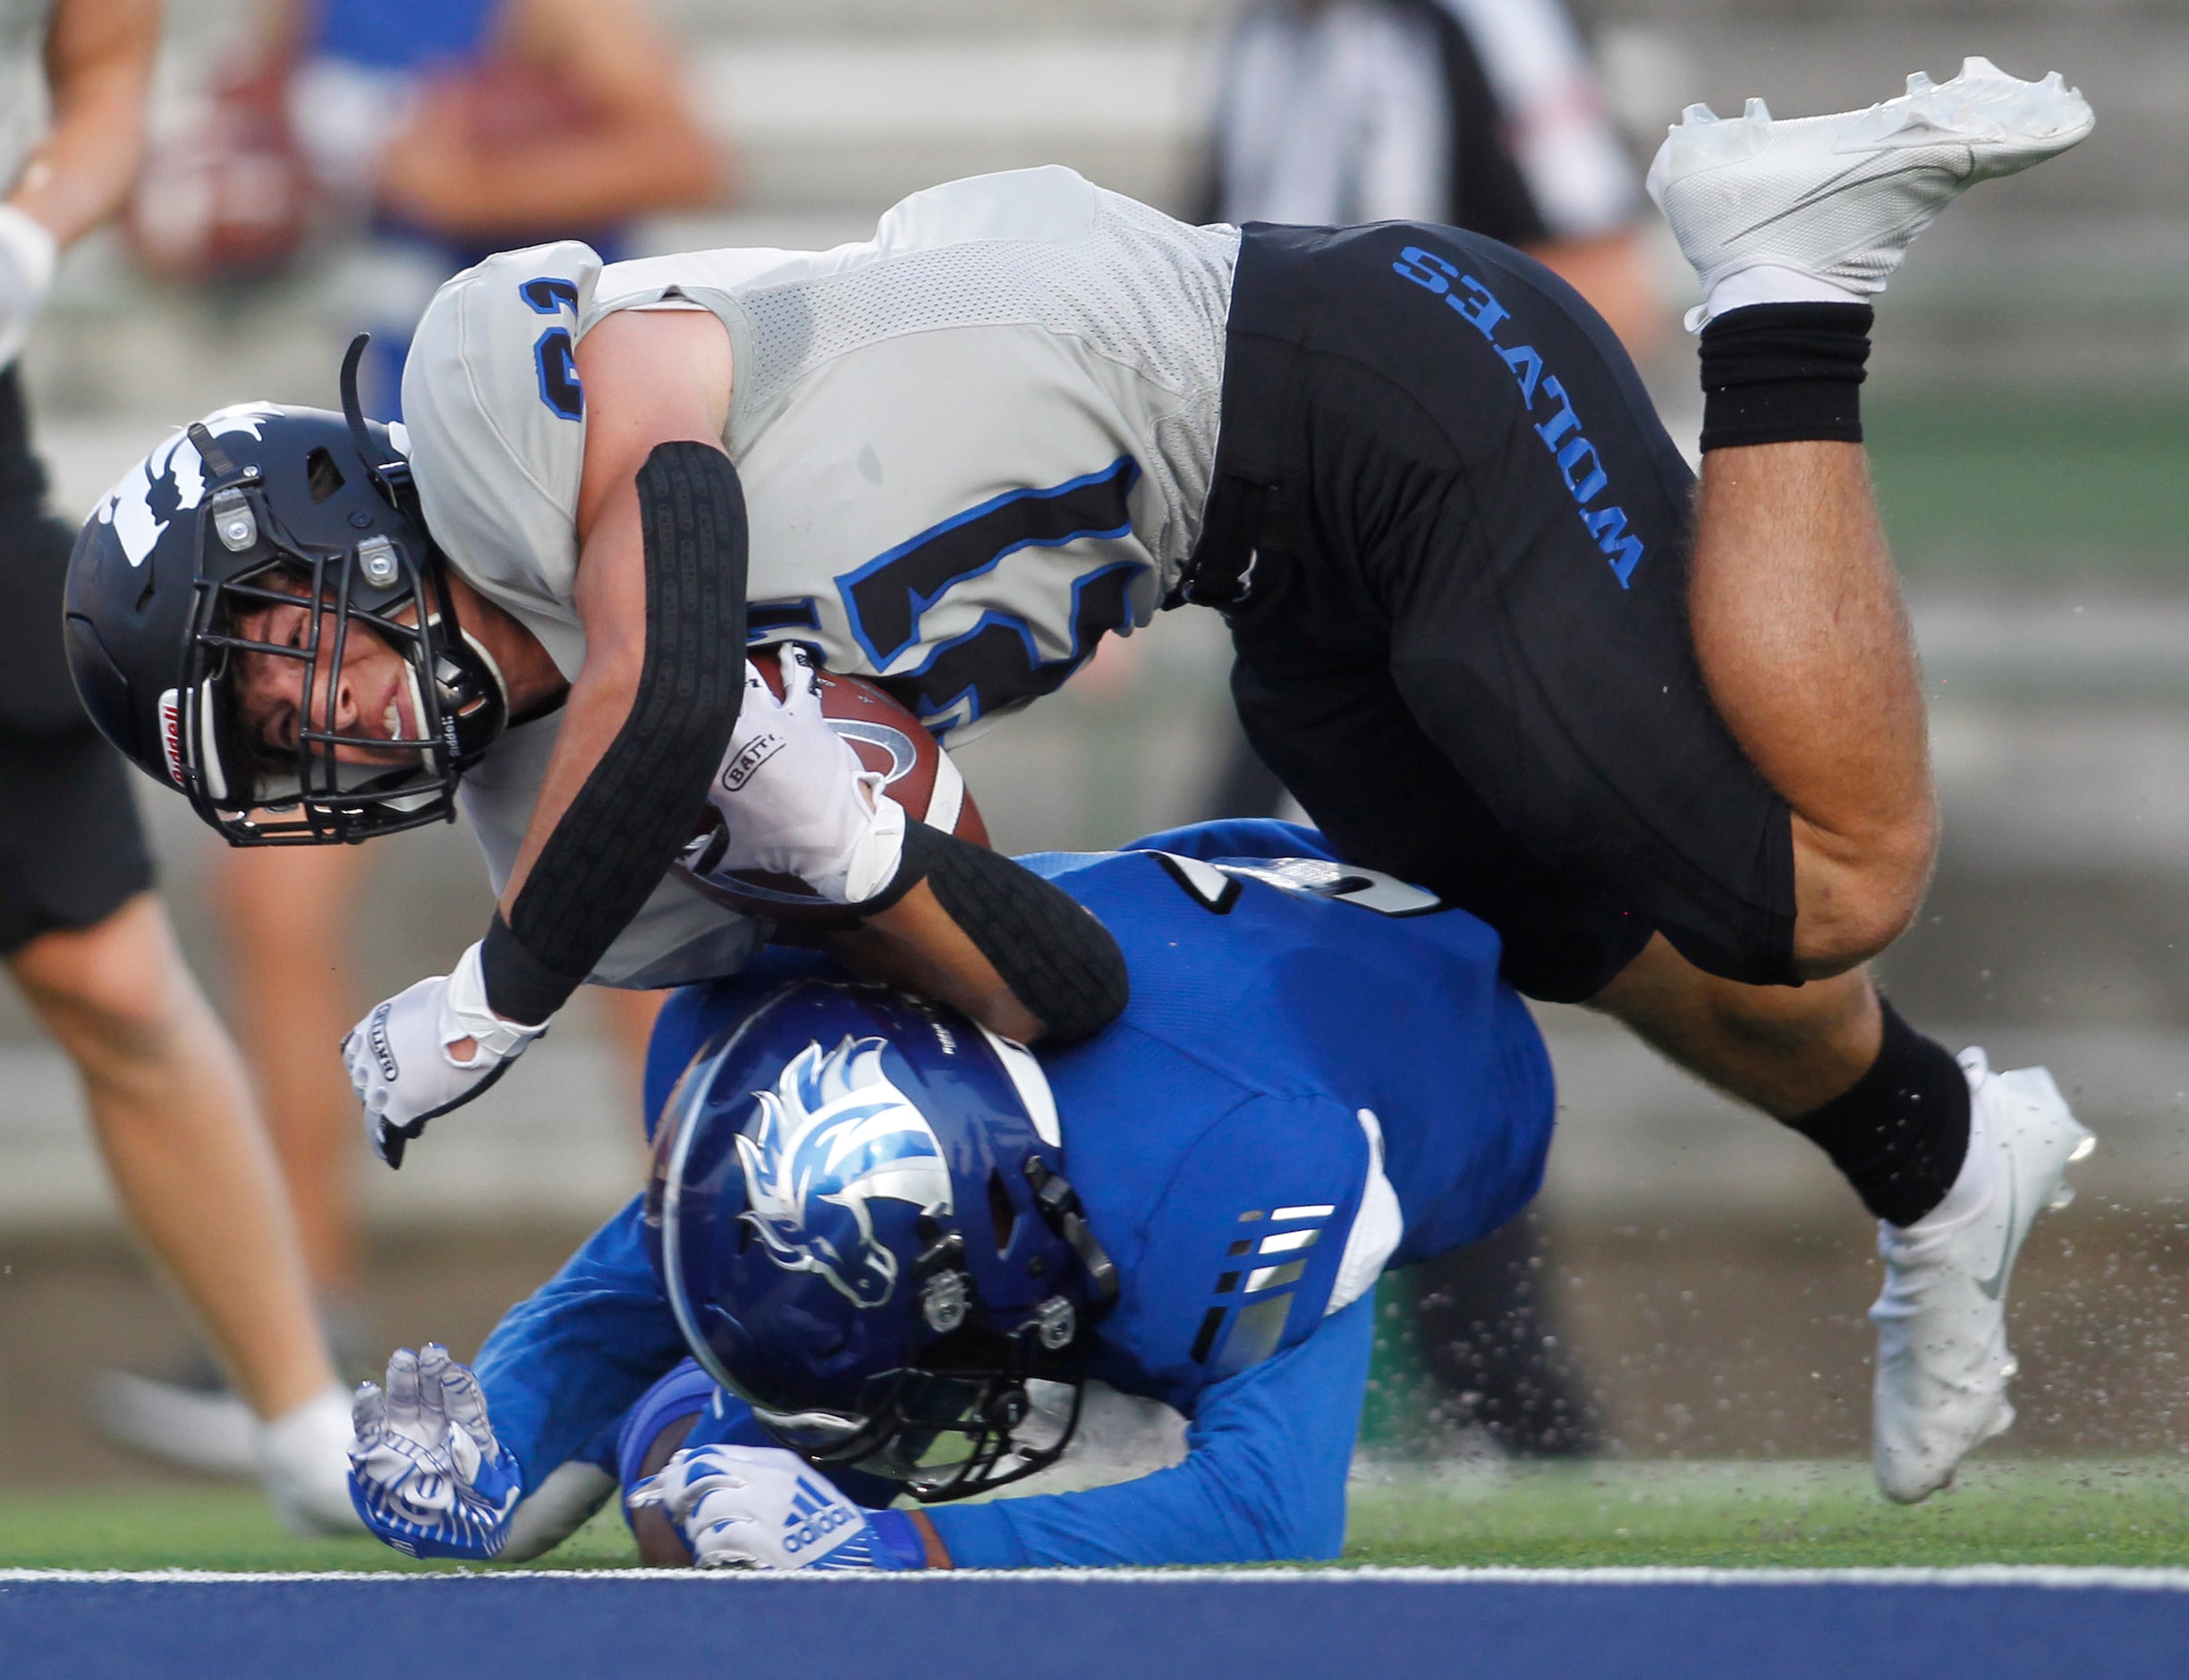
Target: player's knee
(1858, 913)
(106, 992)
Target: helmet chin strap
(494, 669)
(418, 707)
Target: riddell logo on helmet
(171, 734)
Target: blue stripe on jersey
(887, 597)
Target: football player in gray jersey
(1670, 745)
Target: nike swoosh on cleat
(1989, 1287)
(1887, 169)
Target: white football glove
(399, 1059)
(426, 1472)
(762, 1507)
(27, 254)
(794, 799)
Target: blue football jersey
(1319, 1075)
(1290, 1019)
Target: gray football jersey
(970, 447)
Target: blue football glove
(761, 1508)
(426, 1472)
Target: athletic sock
(1900, 1135)
(1784, 373)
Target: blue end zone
(1989, 1625)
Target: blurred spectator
(1483, 114)
(459, 128)
(1480, 113)
(81, 930)
(440, 131)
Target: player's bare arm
(650, 380)
(918, 945)
(98, 62)
(98, 65)
(664, 377)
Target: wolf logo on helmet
(177, 465)
(299, 509)
(835, 1135)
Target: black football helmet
(256, 506)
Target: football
(890, 740)
(228, 199)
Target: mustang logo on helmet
(834, 1137)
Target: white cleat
(1942, 1360)
(206, 1430)
(1840, 199)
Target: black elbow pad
(1059, 959)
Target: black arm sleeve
(1058, 960)
(636, 808)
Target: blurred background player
(81, 930)
(1484, 115)
(439, 130)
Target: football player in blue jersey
(883, 1252)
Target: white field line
(2047, 1576)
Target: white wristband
(28, 255)
(1766, 283)
(468, 1007)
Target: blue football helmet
(857, 1215)
(258, 505)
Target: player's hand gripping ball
(762, 1507)
(806, 814)
(426, 1472)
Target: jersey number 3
(1214, 887)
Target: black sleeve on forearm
(1057, 959)
(636, 808)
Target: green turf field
(1725, 1515)
(2038, 493)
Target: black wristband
(921, 845)
(520, 986)
(1784, 373)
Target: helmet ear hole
(1002, 1216)
(322, 475)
